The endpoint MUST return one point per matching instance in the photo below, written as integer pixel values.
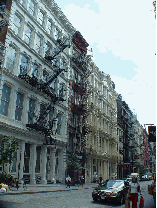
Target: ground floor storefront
(96, 166)
(35, 161)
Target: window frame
(20, 108)
(8, 60)
(5, 100)
(30, 112)
(26, 69)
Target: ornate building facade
(102, 123)
(34, 105)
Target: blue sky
(122, 35)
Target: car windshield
(114, 184)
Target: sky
(122, 35)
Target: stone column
(22, 160)
(17, 163)
(32, 163)
(61, 166)
(43, 164)
(53, 163)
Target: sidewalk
(39, 188)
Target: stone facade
(102, 120)
(35, 29)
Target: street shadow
(107, 203)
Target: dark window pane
(35, 70)
(23, 66)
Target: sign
(152, 133)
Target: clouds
(123, 38)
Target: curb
(34, 192)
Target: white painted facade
(102, 123)
(33, 31)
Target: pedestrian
(68, 180)
(134, 188)
(100, 180)
(82, 180)
(153, 185)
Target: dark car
(111, 190)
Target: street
(81, 198)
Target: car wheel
(95, 199)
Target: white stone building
(35, 27)
(102, 123)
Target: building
(102, 120)
(120, 152)
(77, 103)
(124, 115)
(34, 105)
(137, 145)
(146, 152)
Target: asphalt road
(81, 198)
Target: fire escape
(41, 124)
(78, 105)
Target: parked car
(133, 175)
(112, 190)
(146, 177)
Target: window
(5, 99)
(51, 119)
(31, 8)
(31, 111)
(49, 26)
(27, 36)
(19, 106)
(56, 35)
(72, 96)
(23, 65)
(35, 70)
(16, 24)
(38, 43)
(10, 58)
(40, 17)
(59, 124)
(45, 76)
(53, 84)
(48, 48)
(60, 90)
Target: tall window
(16, 23)
(53, 84)
(10, 58)
(31, 7)
(45, 76)
(35, 70)
(31, 112)
(38, 43)
(59, 124)
(72, 96)
(48, 48)
(61, 90)
(23, 65)
(51, 118)
(27, 36)
(56, 35)
(49, 26)
(19, 106)
(40, 17)
(5, 99)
